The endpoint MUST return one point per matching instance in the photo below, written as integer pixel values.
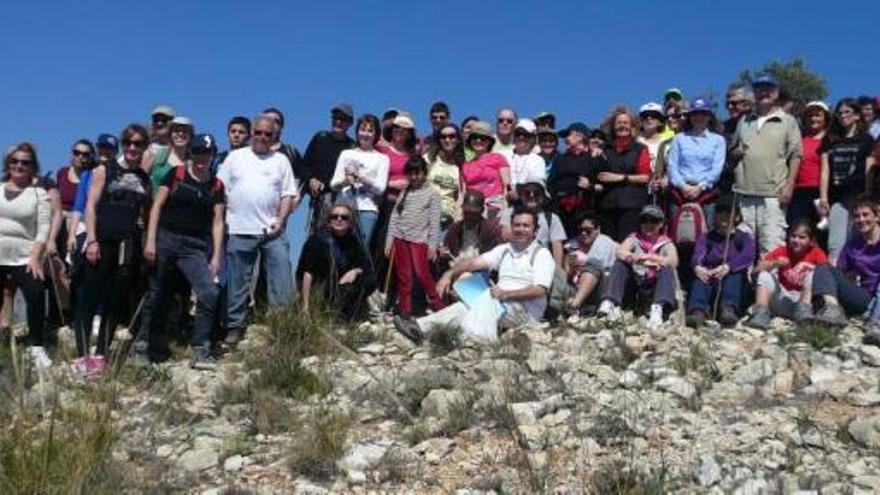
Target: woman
(850, 288)
(175, 155)
(445, 158)
(696, 158)
(67, 177)
(487, 172)
(574, 176)
(844, 156)
(24, 231)
(334, 263)
(526, 166)
(815, 123)
(646, 262)
(399, 145)
(119, 194)
(185, 233)
(588, 262)
(361, 175)
(653, 129)
(623, 174)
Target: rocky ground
(586, 406)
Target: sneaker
(696, 318)
(139, 355)
(872, 337)
(831, 314)
(409, 328)
(80, 366)
(760, 317)
(608, 309)
(803, 313)
(655, 320)
(202, 359)
(96, 365)
(728, 317)
(40, 358)
(233, 337)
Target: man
(548, 148)
(239, 133)
(550, 233)
(321, 155)
(766, 155)
(588, 264)
(473, 234)
(160, 131)
(740, 100)
(525, 274)
(289, 150)
(673, 94)
(439, 115)
(545, 121)
(261, 191)
(505, 121)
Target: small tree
(794, 77)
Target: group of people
(143, 227)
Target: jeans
(731, 290)
(838, 230)
(241, 257)
(411, 260)
(367, 221)
(35, 299)
(765, 220)
(829, 281)
(189, 255)
(659, 290)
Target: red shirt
(792, 276)
(811, 164)
(396, 161)
(484, 174)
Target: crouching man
(525, 273)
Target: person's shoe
(608, 309)
(655, 318)
(696, 318)
(80, 366)
(803, 313)
(139, 354)
(96, 365)
(40, 358)
(872, 336)
(760, 317)
(202, 359)
(233, 337)
(728, 317)
(832, 315)
(409, 328)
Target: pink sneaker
(96, 365)
(81, 365)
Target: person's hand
(443, 285)
(388, 252)
(51, 249)
(785, 193)
(150, 252)
(583, 182)
(823, 208)
(721, 271)
(274, 230)
(781, 262)
(702, 273)
(315, 186)
(71, 244)
(93, 252)
(596, 152)
(349, 276)
(690, 191)
(214, 266)
(498, 293)
(571, 303)
(35, 267)
(737, 153)
(432, 254)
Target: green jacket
(771, 144)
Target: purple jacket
(709, 251)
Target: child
(721, 260)
(413, 234)
(785, 278)
(651, 259)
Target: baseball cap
(652, 211)
(201, 143)
(526, 125)
(108, 140)
(164, 110)
(577, 127)
(651, 107)
(181, 120)
(544, 114)
(700, 105)
(817, 104)
(675, 93)
(344, 109)
(403, 121)
(765, 80)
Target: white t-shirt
(371, 165)
(516, 271)
(254, 188)
(546, 233)
(527, 168)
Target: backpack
(687, 224)
(180, 175)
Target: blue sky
(75, 69)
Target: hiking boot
(95, 365)
(760, 317)
(233, 337)
(409, 328)
(696, 318)
(803, 313)
(139, 355)
(832, 315)
(872, 337)
(202, 359)
(728, 317)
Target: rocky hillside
(588, 406)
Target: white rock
(866, 431)
(198, 459)
(439, 402)
(677, 386)
(361, 457)
(870, 355)
(707, 472)
(752, 487)
(630, 379)
(864, 399)
(435, 449)
(832, 382)
(233, 463)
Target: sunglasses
(479, 137)
(736, 103)
(588, 230)
(338, 216)
(531, 193)
(84, 154)
(161, 119)
(23, 163)
(137, 143)
(449, 137)
(521, 135)
(267, 134)
(505, 121)
(435, 118)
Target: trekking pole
(730, 231)
(122, 351)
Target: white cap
(651, 107)
(526, 125)
(404, 121)
(817, 103)
(181, 120)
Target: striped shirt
(420, 219)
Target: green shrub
(319, 443)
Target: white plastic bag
(481, 319)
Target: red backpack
(180, 175)
(687, 224)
